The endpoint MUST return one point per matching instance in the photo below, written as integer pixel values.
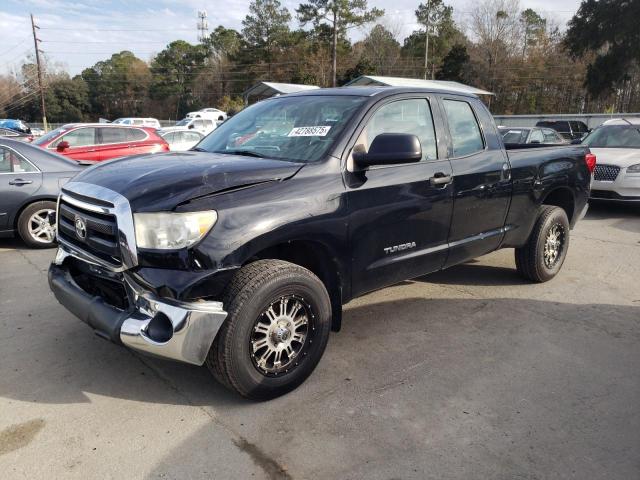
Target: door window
(550, 136)
(11, 162)
(113, 135)
(536, 137)
(135, 135)
(190, 137)
(80, 137)
(403, 116)
(463, 126)
(198, 124)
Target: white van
(139, 122)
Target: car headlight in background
(169, 230)
(634, 168)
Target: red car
(101, 141)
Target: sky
(77, 34)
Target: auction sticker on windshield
(309, 132)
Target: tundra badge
(399, 248)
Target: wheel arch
(319, 259)
(30, 201)
(564, 198)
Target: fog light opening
(160, 328)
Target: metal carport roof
(415, 82)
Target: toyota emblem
(81, 228)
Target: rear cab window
(466, 135)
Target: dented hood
(163, 181)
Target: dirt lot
(468, 373)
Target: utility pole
(426, 34)
(35, 43)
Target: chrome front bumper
(162, 327)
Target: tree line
(530, 64)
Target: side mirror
(192, 126)
(390, 149)
(62, 146)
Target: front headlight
(634, 168)
(171, 231)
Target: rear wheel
(542, 257)
(34, 225)
(279, 318)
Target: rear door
(398, 218)
(113, 143)
(139, 142)
(19, 179)
(481, 179)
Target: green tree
(381, 50)
(431, 15)
(223, 42)
(607, 29)
(533, 26)
(265, 28)
(117, 86)
(454, 64)
(175, 72)
(339, 15)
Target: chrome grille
(101, 236)
(606, 173)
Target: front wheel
(543, 255)
(278, 323)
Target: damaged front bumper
(167, 328)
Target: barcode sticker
(309, 132)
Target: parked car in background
(15, 135)
(521, 136)
(200, 124)
(219, 114)
(181, 139)
(101, 141)
(138, 122)
(569, 129)
(17, 125)
(30, 180)
(616, 143)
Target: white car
(180, 139)
(219, 114)
(200, 124)
(139, 122)
(616, 145)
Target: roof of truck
(370, 91)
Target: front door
(83, 144)
(399, 217)
(481, 180)
(19, 179)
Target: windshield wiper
(247, 153)
(198, 149)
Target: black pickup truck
(240, 253)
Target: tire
(33, 217)
(536, 260)
(244, 354)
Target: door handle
(440, 178)
(19, 181)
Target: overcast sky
(76, 35)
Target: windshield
(614, 136)
(300, 129)
(47, 137)
(184, 122)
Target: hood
(622, 157)
(161, 182)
